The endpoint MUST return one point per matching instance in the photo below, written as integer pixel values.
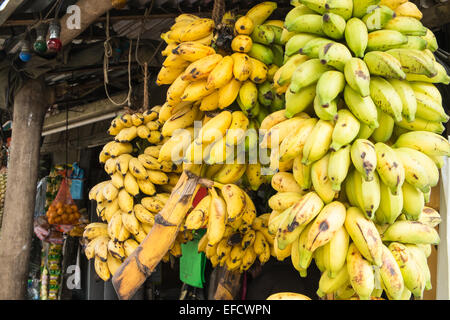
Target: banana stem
(207, 183)
(218, 185)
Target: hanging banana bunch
(335, 107)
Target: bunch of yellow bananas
(213, 79)
(341, 97)
(111, 243)
(139, 187)
(235, 236)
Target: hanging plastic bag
(63, 210)
(77, 176)
(39, 208)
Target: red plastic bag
(63, 210)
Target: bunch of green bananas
(236, 237)
(358, 146)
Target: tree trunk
(15, 240)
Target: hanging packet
(77, 176)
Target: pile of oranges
(60, 213)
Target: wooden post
(141, 263)
(228, 285)
(15, 241)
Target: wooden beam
(113, 18)
(30, 105)
(83, 113)
(9, 10)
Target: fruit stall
(224, 150)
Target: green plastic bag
(192, 262)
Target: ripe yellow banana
(180, 120)
(217, 218)
(413, 232)
(292, 145)
(301, 173)
(235, 200)
(241, 66)
(419, 169)
(260, 12)
(228, 93)
(137, 169)
(94, 230)
(301, 214)
(386, 97)
(230, 173)
(325, 225)
(143, 215)
(329, 285)
(364, 158)
(284, 200)
(389, 167)
(430, 217)
(241, 43)
(383, 64)
(276, 134)
(338, 166)
(215, 128)
(201, 68)
(361, 274)
(167, 75)
(126, 134)
(391, 275)
(116, 250)
(195, 91)
(255, 175)
(407, 96)
(130, 222)
(197, 29)
(334, 252)
(320, 179)
(110, 192)
(175, 91)
(421, 259)
(101, 268)
(131, 184)
(285, 182)
(364, 234)
(413, 277)
(152, 204)
(318, 142)
(89, 249)
(126, 201)
(390, 205)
